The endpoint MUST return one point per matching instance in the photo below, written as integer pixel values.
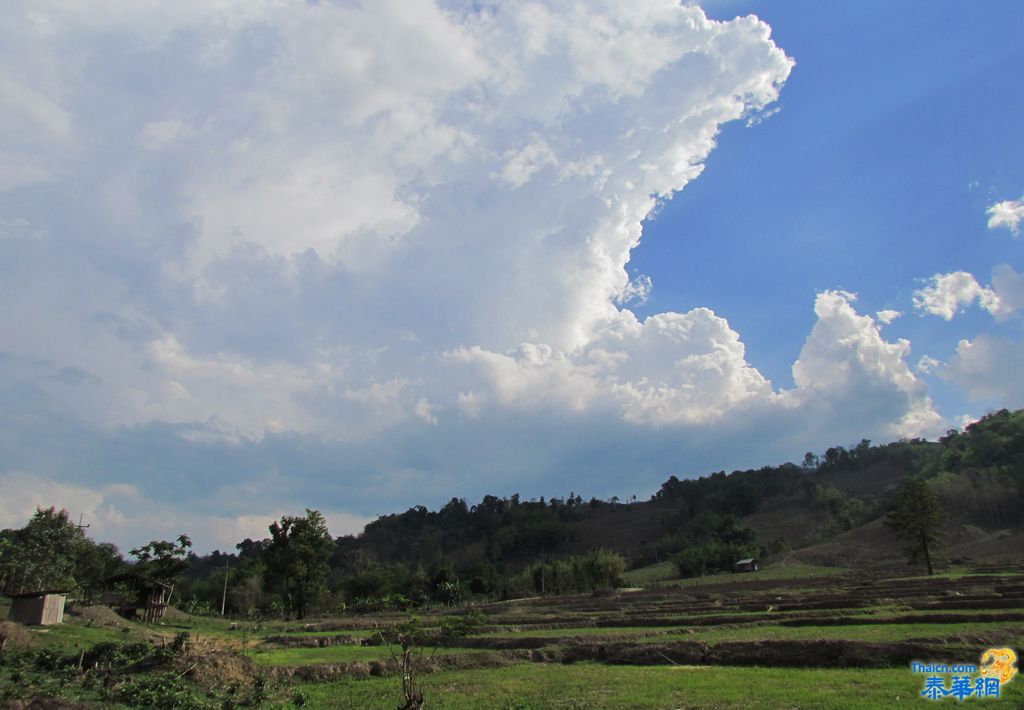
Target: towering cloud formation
(387, 238)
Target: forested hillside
(828, 509)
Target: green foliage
(494, 548)
(996, 440)
(41, 555)
(161, 560)
(51, 552)
(600, 570)
(503, 530)
(847, 511)
(103, 668)
(916, 515)
(738, 494)
(115, 654)
(296, 560)
(180, 642)
(981, 470)
(710, 558)
(371, 582)
(164, 691)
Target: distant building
(748, 565)
(38, 608)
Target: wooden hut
(748, 565)
(38, 608)
(135, 597)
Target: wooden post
(224, 597)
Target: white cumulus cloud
(887, 316)
(343, 252)
(948, 293)
(1008, 214)
(846, 360)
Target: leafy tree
(41, 555)
(94, 563)
(916, 515)
(371, 581)
(162, 560)
(51, 552)
(296, 559)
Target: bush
(712, 558)
(599, 570)
(166, 691)
(115, 655)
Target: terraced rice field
(840, 640)
(816, 639)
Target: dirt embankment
(98, 615)
(219, 669)
(788, 654)
(904, 619)
(327, 672)
(318, 641)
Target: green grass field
(331, 654)
(589, 685)
(74, 635)
(644, 576)
(732, 611)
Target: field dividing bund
(813, 641)
(818, 637)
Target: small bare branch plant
(413, 646)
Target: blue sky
(897, 129)
(261, 256)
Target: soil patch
(316, 641)
(676, 653)
(98, 615)
(219, 669)
(172, 613)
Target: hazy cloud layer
(359, 256)
(988, 368)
